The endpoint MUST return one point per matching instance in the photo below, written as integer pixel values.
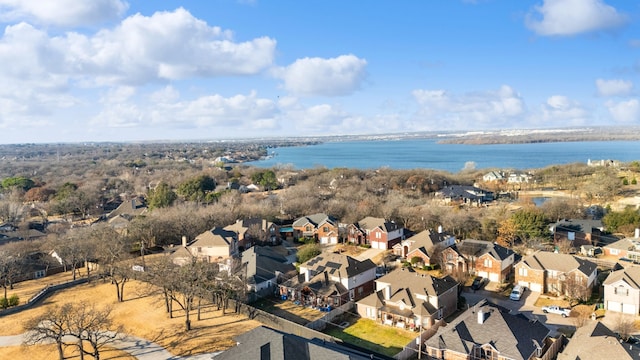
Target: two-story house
(578, 231)
(254, 231)
(330, 279)
(486, 259)
(215, 245)
(622, 291)
(463, 194)
(489, 331)
(407, 299)
(627, 248)
(321, 227)
(377, 232)
(422, 244)
(264, 267)
(549, 272)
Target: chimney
(637, 233)
(133, 203)
(480, 317)
(439, 229)
(184, 241)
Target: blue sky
(118, 70)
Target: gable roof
(214, 238)
(630, 275)
(595, 341)
(262, 264)
(370, 223)
(477, 248)
(266, 343)
(417, 283)
(625, 244)
(133, 207)
(464, 192)
(512, 335)
(545, 260)
(315, 220)
(335, 264)
(241, 226)
(577, 225)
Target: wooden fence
(321, 323)
(411, 349)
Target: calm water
(426, 153)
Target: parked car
(556, 310)
(478, 283)
(517, 292)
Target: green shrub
(14, 300)
(4, 303)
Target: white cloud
(471, 110)
(63, 12)
(614, 87)
(571, 17)
(325, 77)
(560, 111)
(624, 111)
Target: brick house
(255, 231)
(578, 231)
(628, 248)
(330, 280)
(377, 232)
(549, 272)
(410, 300)
(321, 227)
(214, 245)
(487, 259)
(488, 331)
(422, 244)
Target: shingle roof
(418, 283)
(595, 341)
(315, 220)
(544, 260)
(630, 275)
(579, 225)
(262, 264)
(370, 223)
(214, 237)
(512, 335)
(479, 248)
(266, 343)
(334, 263)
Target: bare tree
(625, 326)
(575, 287)
(94, 326)
(51, 326)
(114, 257)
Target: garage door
(494, 277)
(614, 306)
(536, 287)
(483, 274)
(629, 309)
(324, 240)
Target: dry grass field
(141, 315)
(49, 352)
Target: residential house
(549, 272)
(493, 176)
(486, 259)
(321, 227)
(595, 341)
(464, 194)
(215, 245)
(518, 178)
(266, 266)
(622, 291)
(489, 331)
(407, 299)
(578, 231)
(255, 230)
(130, 209)
(330, 279)
(377, 232)
(627, 248)
(422, 244)
(263, 343)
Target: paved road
(141, 349)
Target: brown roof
(630, 275)
(545, 260)
(214, 237)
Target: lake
(428, 154)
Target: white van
(516, 293)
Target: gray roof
(595, 341)
(370, 223)
(334, 263)
(512, 335)
(577, 225)
(464, 192)
(623, 244)
(262, 264)
(630, 275)
(545, 260)
(214, 237)
(266, 343)
(417, 283)
(426, 239)
(315, 220)
(472, 247)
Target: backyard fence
(46, 291)
(321, 323)
(411, 349)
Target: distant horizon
(136, 71)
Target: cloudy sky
(119, 70)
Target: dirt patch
(289, 310)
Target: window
(308, 228)
(522, 271)
(325, 229)
(487, 263)
(39, 274)
(621, 290)
(614, 251)
(378, 235)
(449, 256)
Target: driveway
(369, 254)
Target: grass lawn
(27, 289)
(544, 300)
(142, 315)
(50, 352)
(370, 335)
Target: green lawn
(370, 335)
